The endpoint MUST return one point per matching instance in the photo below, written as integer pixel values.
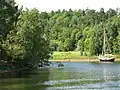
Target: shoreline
(75, 60)
(79, 60)
(74, 56)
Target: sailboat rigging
(105, 57)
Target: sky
(48, 5)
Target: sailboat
(105, 57)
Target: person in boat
(60, 64)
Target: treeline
(24, 36)
(82, 30)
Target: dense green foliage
(82, 30)
(24, 36)
(8, 16)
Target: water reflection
(73, 76)
(78, 76)
(25, 80)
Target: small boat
(106, 57)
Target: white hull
(106, 59)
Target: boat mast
(104, 46)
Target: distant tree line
(82, 30)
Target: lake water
(73, 76)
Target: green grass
(68, 55)
(75, 55)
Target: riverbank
(75, 57)
(80, 60)
(75, 60)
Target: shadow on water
(25, 80)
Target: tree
(28, 43)
(9, 13)
(80, 46)
(68, 44)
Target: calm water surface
(74, 76)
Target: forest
(28, 36)
(82, 30)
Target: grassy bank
(71, 56)
(75, 56)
